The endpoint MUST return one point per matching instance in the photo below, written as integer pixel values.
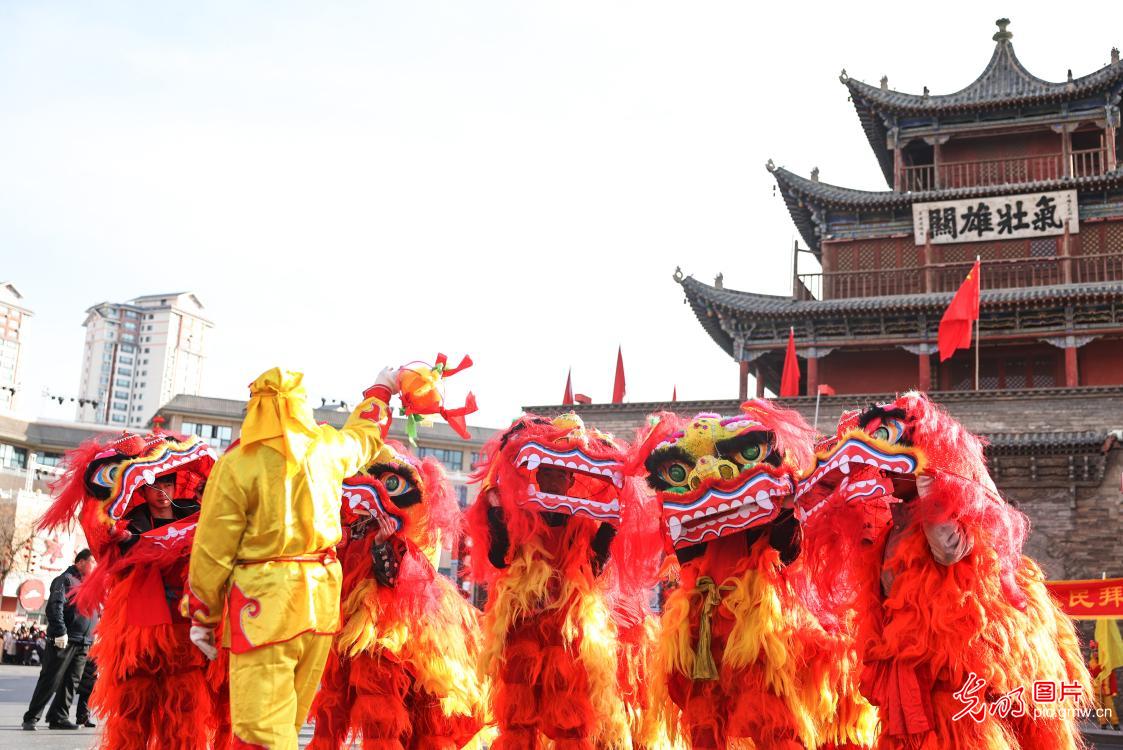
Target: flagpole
(818, 395)
(978, 321)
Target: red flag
(618, 384)
(789, 380)
(956, 325)
(674, 393)
(826, 390)
(567, 399)
(581, 398)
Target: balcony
(962, 174)
(946, 277)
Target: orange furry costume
(552, 495)
(743, 654)
(154, 689)
(402, 672)
(933, 566)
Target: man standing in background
(69, 635)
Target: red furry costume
(402, 670)
(743, 655)
(154, 688)
(930, 559)
(552, 496)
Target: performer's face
(554, 480)
(159, 495)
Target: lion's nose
(709, 467)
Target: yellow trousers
(1107, 706)
(271, 690)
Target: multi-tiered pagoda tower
(1016, 170)
(1023, 173)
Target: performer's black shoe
(87, 723)
(62, 725)
(29, 726)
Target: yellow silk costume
(265, 548)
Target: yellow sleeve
(361, 441)
(222, 522)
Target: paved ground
(16, 684)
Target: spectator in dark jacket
(69, 635)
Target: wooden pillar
(926, 263)
(1066, 151)
(812, 374)
(1072, 375)
(898, 165)
(1109, 138)
(937, 160)
(743, 381)
(759, 384)
(924, 374)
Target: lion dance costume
(744, 658)
(264, 551)
(153, 687)
(403, 670)
(552, 495)
(954, 624)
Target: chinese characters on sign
(997, 218)
(1099, 598)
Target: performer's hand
(389, 378)
(384, 532)
(61, 641)
(491, 495)
(203, 638)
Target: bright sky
(347, 185)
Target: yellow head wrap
(278, 416)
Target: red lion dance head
(879, 453)
(408, 496)
(716, 476)
(543, 471)
(101, 486)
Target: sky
(349, 185)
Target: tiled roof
(50, 435)
(705, 299)
(803, 195)
(1013, 443)
(770, 305)
(1004, 83)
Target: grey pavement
(16, 685)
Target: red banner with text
(1097, 599)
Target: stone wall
(1072, 496)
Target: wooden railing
(946, 277)
(960, 174)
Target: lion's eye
(750, 454)
(890, 431)
(674, 473)
(395, 484)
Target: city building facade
(14, 315)
(140, 353)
